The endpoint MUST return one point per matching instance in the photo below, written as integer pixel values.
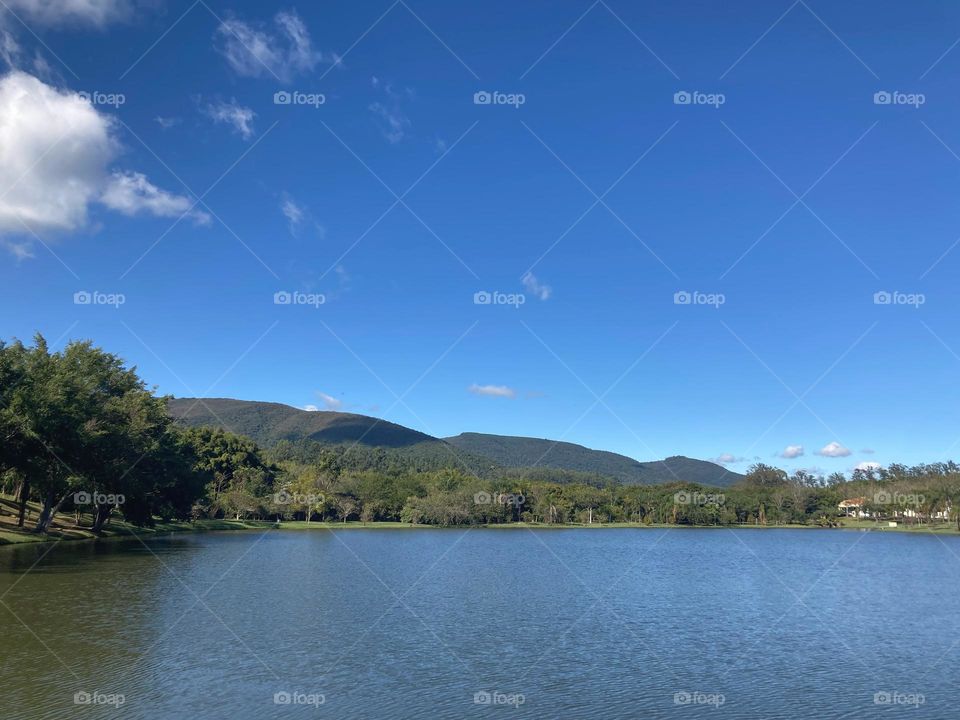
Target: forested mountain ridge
(376, 443)
(519, 452)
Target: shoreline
(121, 531)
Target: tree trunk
(24, 494)
(50, 509)
(100, 517)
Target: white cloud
(792, 451)
(233, 114)
(55, 153)
(727, 459)
(868, 466)
(535, 287)
(310, 408)
(131, 193)
(493, 390)
(833, 450)
(293, 213)
(166, 122)
(285, 51)
(64, 12)
(394, 124)
(330, 402)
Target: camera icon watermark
(895, 97)
(85, 297)
(284, 297)
(101, 98)
(685, 297)
(82, 697)
(884, 297)
(695, 497)
(495, 697)
(299, 698)
(295, 97)
(696, 697)
(695, 97)
(98, 498)
(895, 697)
(483, 97)
(285, 497)
(483, 297)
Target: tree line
(82, 433)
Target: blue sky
(787, 194)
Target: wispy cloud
(231, 113)
(131, 193)
(535, 287)
(329, 401)
(166, 122)
(493, 390)
(284, 51)
(393, 121)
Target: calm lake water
(512, 623)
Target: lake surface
(610, 624)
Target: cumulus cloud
(535, 287)
(283, 51)
(493, 390)
(55, 153)
(310, 408)
(231, 113)
(833, 450)
(867, 466)
(792, 451)
(71, 12)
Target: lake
(513, 623)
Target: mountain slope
(267, 423)
(378, 443)
(519, 452)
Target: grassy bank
(67, 528)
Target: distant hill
(379, 444)
(520, 452)
(267, 423)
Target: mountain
(267, 423)
(379, 444)
(521, 452)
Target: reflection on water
(451, 624)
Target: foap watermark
(484, 97)
(102, 98)
(695, 97)
(298, 698)
(695, 497)
(98, 498)
(696, 697)
(495, 697)
(482, 297)
(685, 297)
(485, 498)
(82, 697)
(895, 97)
(284, 297)
(895, 697)
(885, 497)
(85, 297)
(314, 100)
(884, 297)
(285, 497)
